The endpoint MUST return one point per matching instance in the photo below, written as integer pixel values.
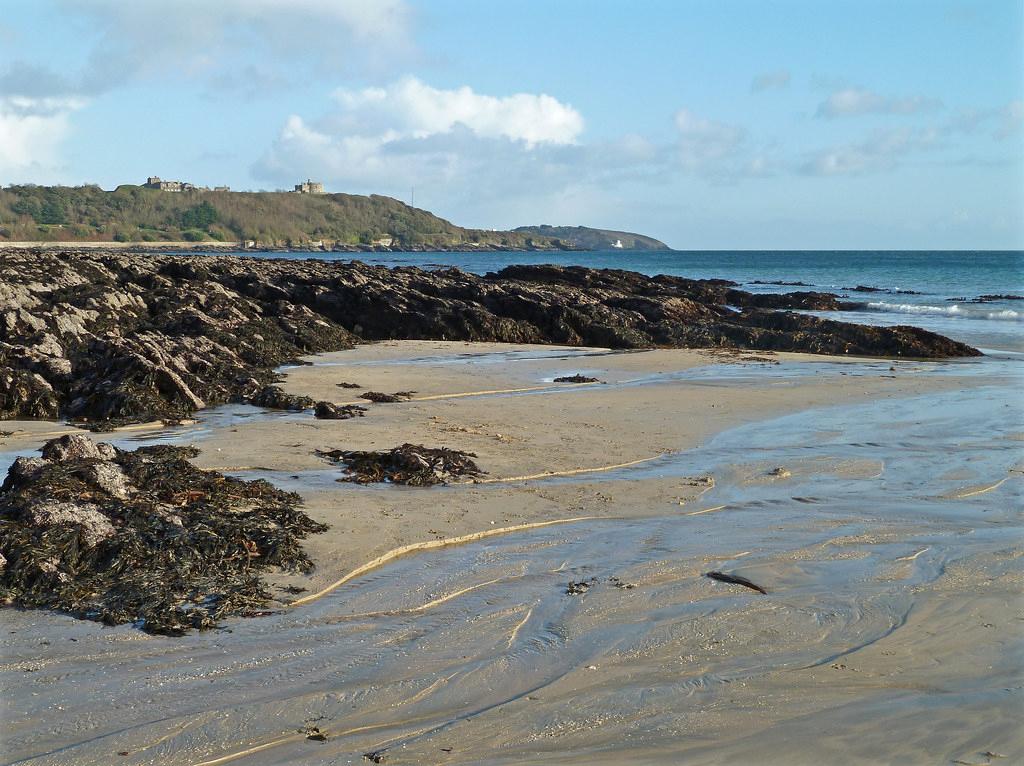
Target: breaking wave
(952, 310)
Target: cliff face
(115, 337)
(584, 238)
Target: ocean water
(937, 290)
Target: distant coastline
(237, 246)
(161, 215)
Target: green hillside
(585, 238)
(140, 214)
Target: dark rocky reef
(113, 337)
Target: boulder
(76, 447)
(94, 526)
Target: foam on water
(955, 310)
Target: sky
(722, 124)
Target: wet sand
(891, 630)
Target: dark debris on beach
(378, 397)
(411, 464)
(143, 536)
(331, 411)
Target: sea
(973, 296)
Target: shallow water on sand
(887, 550)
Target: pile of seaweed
(331, 411)
(378, 397)
(411, 464)
(142, 536)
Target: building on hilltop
(309, 187)
(155, 182)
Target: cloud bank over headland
(771, 135)
(410, 130)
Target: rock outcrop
(142, 537)
(114, 337)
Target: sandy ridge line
(487, 392)
(443, 542)
(969, 492)
(570, 472)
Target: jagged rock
(25, 394)
(77, 447)
(94, 527)
(115, 337)
(25, 467)
(109, 478)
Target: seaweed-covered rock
(93, 526)
(274, 398)
(378, 397)
(331, 411)
(26, 394)
(411, 464)
(142, 537)
(76, 447)
(113, 337)
(578, 378)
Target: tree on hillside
(199, 216)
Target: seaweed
(143, 537)
(330, 411)
(576, 379)
(274, 398)
(380, 398)
(411, 464)
(735, 580)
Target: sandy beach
(436, 627)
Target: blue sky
(711, 125)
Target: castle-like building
(155, 182)
(309, 187)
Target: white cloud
(1011, 118)
(492, 158)
(884, 150)
(857, 101)
(410, 108)
(1004, 122)
(409, 131)
(32, 132)
(770, 81)
(703, 143)
(204, 39)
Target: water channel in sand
(891, 629)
